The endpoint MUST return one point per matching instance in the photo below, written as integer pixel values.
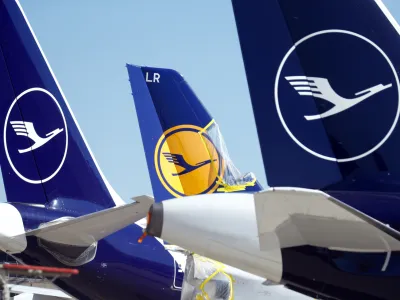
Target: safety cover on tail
(323, 80)
(184, 148)
(45, 158)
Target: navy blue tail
(45, 158)
(325, 91)
(184, 149)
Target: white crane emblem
(26, 129)
(321, 88)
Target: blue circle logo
(35, 136)
(343, 103)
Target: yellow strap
(208, 125)
(226, 188)
(219, 269)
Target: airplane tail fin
(306, 63)
(45, 159)
(184, 148)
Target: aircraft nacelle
(213, 227)
(250, 231)
(12, 231)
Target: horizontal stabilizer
(310, 217)
(85, 230)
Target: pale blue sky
(88, 44)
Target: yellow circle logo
(187, 162)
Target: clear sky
(88, 44)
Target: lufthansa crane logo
(27, 129)
(321, 88)
(187, 162)
(35, 136)
(337, 95)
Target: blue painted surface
(121, 269)
(23, 68)
(350, 64)
(353, 45)
(164, 100)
